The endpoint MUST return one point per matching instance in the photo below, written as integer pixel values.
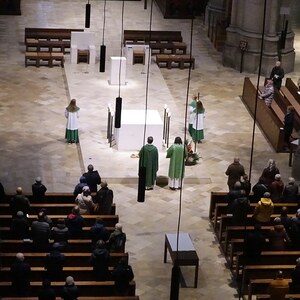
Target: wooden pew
(264, 272)
(292, 87)
(221, 209)
(87, 288)
(5, 233)
(270, 258)
(293, 102)
(37, 273)
(137, 36)
(173, 47)
(49, 197)
(71, 259)
(259, 286)
(269, 123)
(239, 232)
(226, 221)
(108, 220)
(178, 59)
(79, 245)
(52, 208)
(41, 38)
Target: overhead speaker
(102, 58)
(142, 184)
(174, 294)
(118, 111)
(87, 15)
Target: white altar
(118, 64)
(131, 134)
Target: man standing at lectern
(149, 159)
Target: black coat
(288, 123)
(75, 224)
(70, 292)
(20, 277)
(38, 192)
(104, 199)
(54, 264)
(92, 179)
(100, 261)
(277, 74)
(20, 227)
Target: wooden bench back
(78, 245)
(87, 288)
(78, 259)
(49, 33)
(89, 220)
(51, 208)
(292, 87)
(153, 36)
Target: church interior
(32, 104)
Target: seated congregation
(76, 251)
(258, 228)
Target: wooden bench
(49, 57)
(6, 234)
(238, 232)
(49, 46)
(137, 36)
(221, 209)
(87, 288)
(269, 122)
(49, 197)
(79, 245)
(293, 102)
(89, 220)
(259, 286)
(173, 47)
(71, 259)
(293, 88)
(48, 38)
(270, 258)
(51, 208)
(265, 271)
(226, 220)
(37, 273)
(178, 59)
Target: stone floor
(32, 102)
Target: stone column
(246, 25)
(215, 11)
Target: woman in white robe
(197, 131)
(71, 113)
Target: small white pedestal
(115, 70)
(131, 134)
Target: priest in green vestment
(149, 159)
(177, 154)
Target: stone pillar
(215, 11)
(246, 25)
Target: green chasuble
(149, 159)
(177, 153)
